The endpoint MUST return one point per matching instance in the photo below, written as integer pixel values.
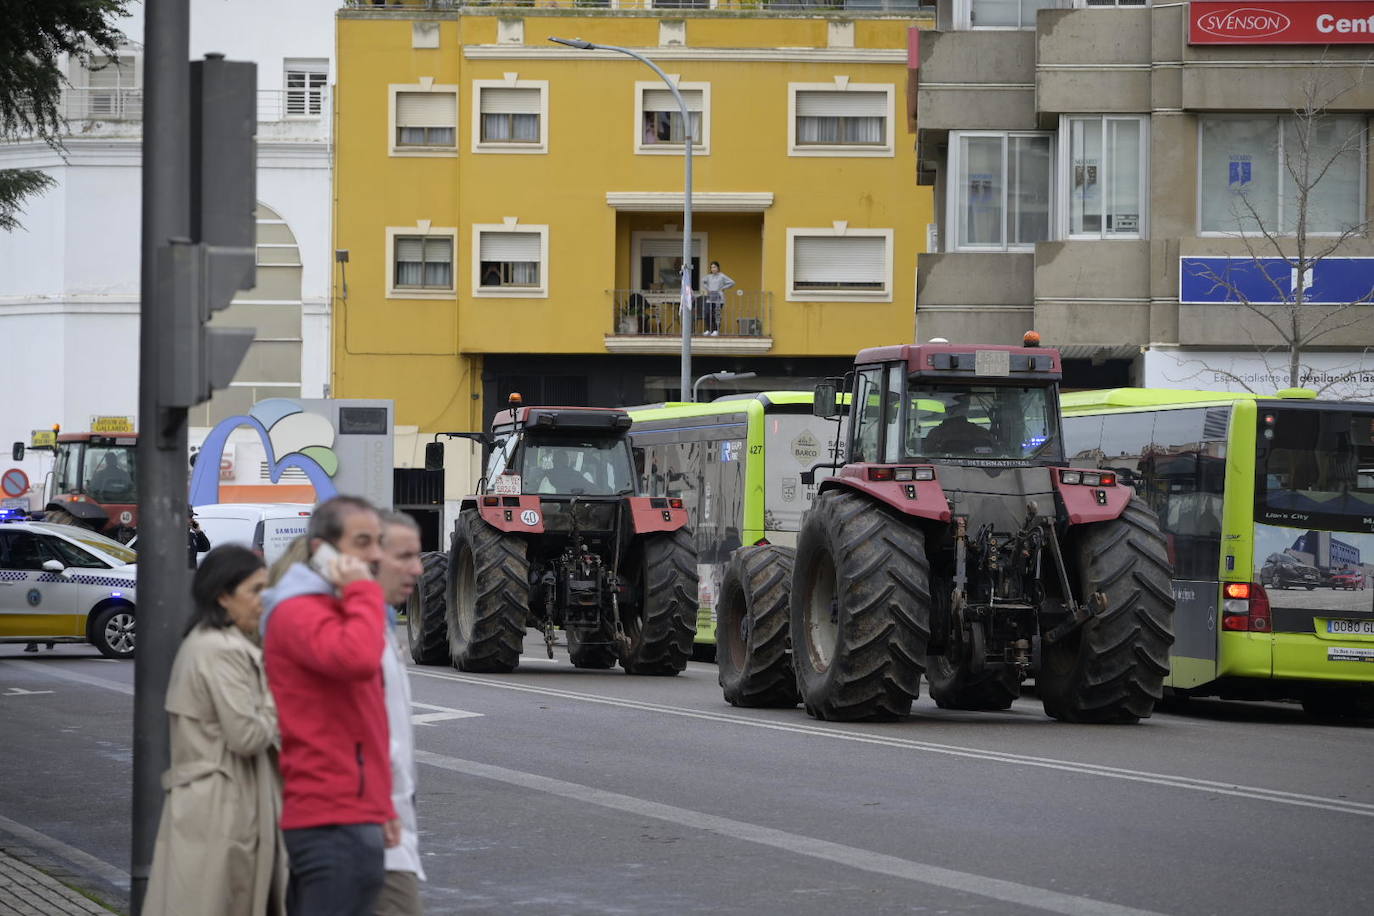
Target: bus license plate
(1351, 627)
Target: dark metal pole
(163, 579)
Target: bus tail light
(1245, 608)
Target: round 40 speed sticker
(529, 517)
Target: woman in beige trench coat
(219, 851)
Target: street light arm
(687, 144)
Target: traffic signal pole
(163, 579)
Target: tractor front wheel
(1112, 668)
(753, 650)
(660, 623)
(488, 597)
(860, 609)
(426, 617)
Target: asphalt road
(558, 791)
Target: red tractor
(556, 538)
(94, 481)
(952, 544)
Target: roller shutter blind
(836, 104)
(662, 100)
(828, 260)
(426, 109)
(510, 101)
(666, 248)
(509, 246)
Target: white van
(267, 528)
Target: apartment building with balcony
(69, 279)
(1086, 157)
(512, 209)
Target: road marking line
(87, 862)
(797, 844)
(54, 671)
(440, 714)
(1254, 793)
(21, 692)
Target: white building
(69, 279)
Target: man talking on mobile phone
(323, 637)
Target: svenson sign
(1283, 22)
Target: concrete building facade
(1086, 157)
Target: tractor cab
(561, 452)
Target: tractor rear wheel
(1112, 668)
(753, 650)
(488, 597)
(590, 650)
(662, 623)
(426, 617)
(860, 609)
(954, 686)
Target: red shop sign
(1282, 22)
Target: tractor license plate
(506, 484)
(1351, 627)
(992, 362)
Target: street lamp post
(721, 377)
(688, 140)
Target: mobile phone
(323, 560)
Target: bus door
(792, 443)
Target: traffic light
(199, 276)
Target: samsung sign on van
(1288, 22)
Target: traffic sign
(14, 482)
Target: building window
(425, 121)
(1103, 175)
(111, 89)
(1001, 190)
(841, 119)
(509, 260)
(1247, 167)
(659, 120)
(839, 264)
(305, 85)
(423, 263)
(999, 14)
(510, 117)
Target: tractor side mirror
(17, 452)
(434, 456)
(824, 403)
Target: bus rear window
(1315, 466)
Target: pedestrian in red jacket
(323, 637)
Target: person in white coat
(397, 574)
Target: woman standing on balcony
(714, 284)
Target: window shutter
(509, 246)
(667, 248)
(510, 101)
(835, 104)
(839, 259)
(662, 100)
(438, 250)
(111, 74)
(426, 109)
(409, 249)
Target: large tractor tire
(661, 625)
(752, 639)
(954, 686)
(426, 612)
(63, 517)
(1112, 668)
(592, 651)
(488, 597)
(860, 609)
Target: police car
(60, 583)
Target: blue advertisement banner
(1271, 281)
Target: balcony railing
(652, 313)
(867, 6)
(112, 104)
(292, 105)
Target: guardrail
(292, 104)
(857, 6)
(655, 313)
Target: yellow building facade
(511, 209)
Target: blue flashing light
(12, 513)
(117, 594)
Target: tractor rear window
(1000, 422)
(576, 466)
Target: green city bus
(736, 463)
(1268, 507)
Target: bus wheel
(593, 650)
(1337, 703)
(860, 609)
(1111, 670)
(662, 624)
(751, 630)
(426, 617)
(954, 686)
(488, 596)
